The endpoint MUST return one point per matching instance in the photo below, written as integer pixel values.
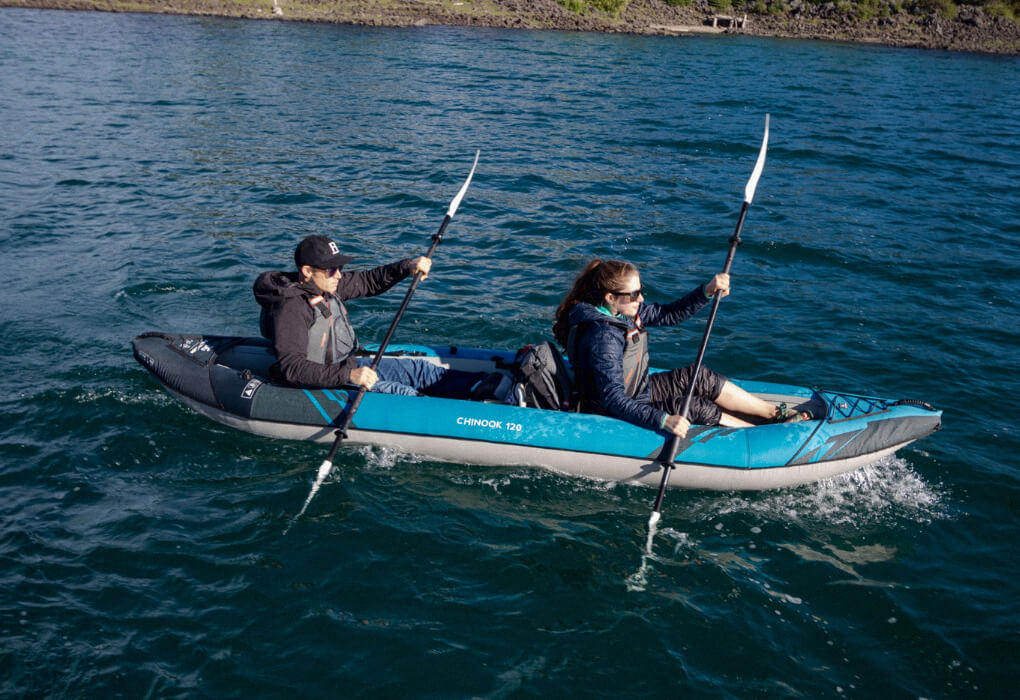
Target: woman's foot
(787, 415)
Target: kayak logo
(489, 423)
(250, 388)
(191, 346)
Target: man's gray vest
(331, 337)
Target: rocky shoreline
(971, 30)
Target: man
(304, 316)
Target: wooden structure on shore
(729, 21)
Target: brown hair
(597, 278)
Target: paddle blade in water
(324, 470)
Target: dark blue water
(151, 166)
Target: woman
(601, 323)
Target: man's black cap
(320, 251)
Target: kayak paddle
(341, 431)
(674, 441)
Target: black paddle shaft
(669, 453)
(341, 431)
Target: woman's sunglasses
(633, 295)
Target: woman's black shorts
(668, 390)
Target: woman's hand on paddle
(364, 376)
(720, 283)
(678, 425)
(422, 265)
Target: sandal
(786, 415)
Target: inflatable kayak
(225, 379)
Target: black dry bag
(543, 379)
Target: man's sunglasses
(331, 271)
(633, 295)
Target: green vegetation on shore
(613, 7)
(850, 9)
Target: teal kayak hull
(225, 379)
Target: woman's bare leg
(733, 398)
(728, 421)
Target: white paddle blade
(324, 470)
(752, 184)
(463, 189)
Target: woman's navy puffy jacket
(598, 355)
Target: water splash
(680, 541)
(886, 490)
(638, 581)
(879, 493)
(382, 457)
